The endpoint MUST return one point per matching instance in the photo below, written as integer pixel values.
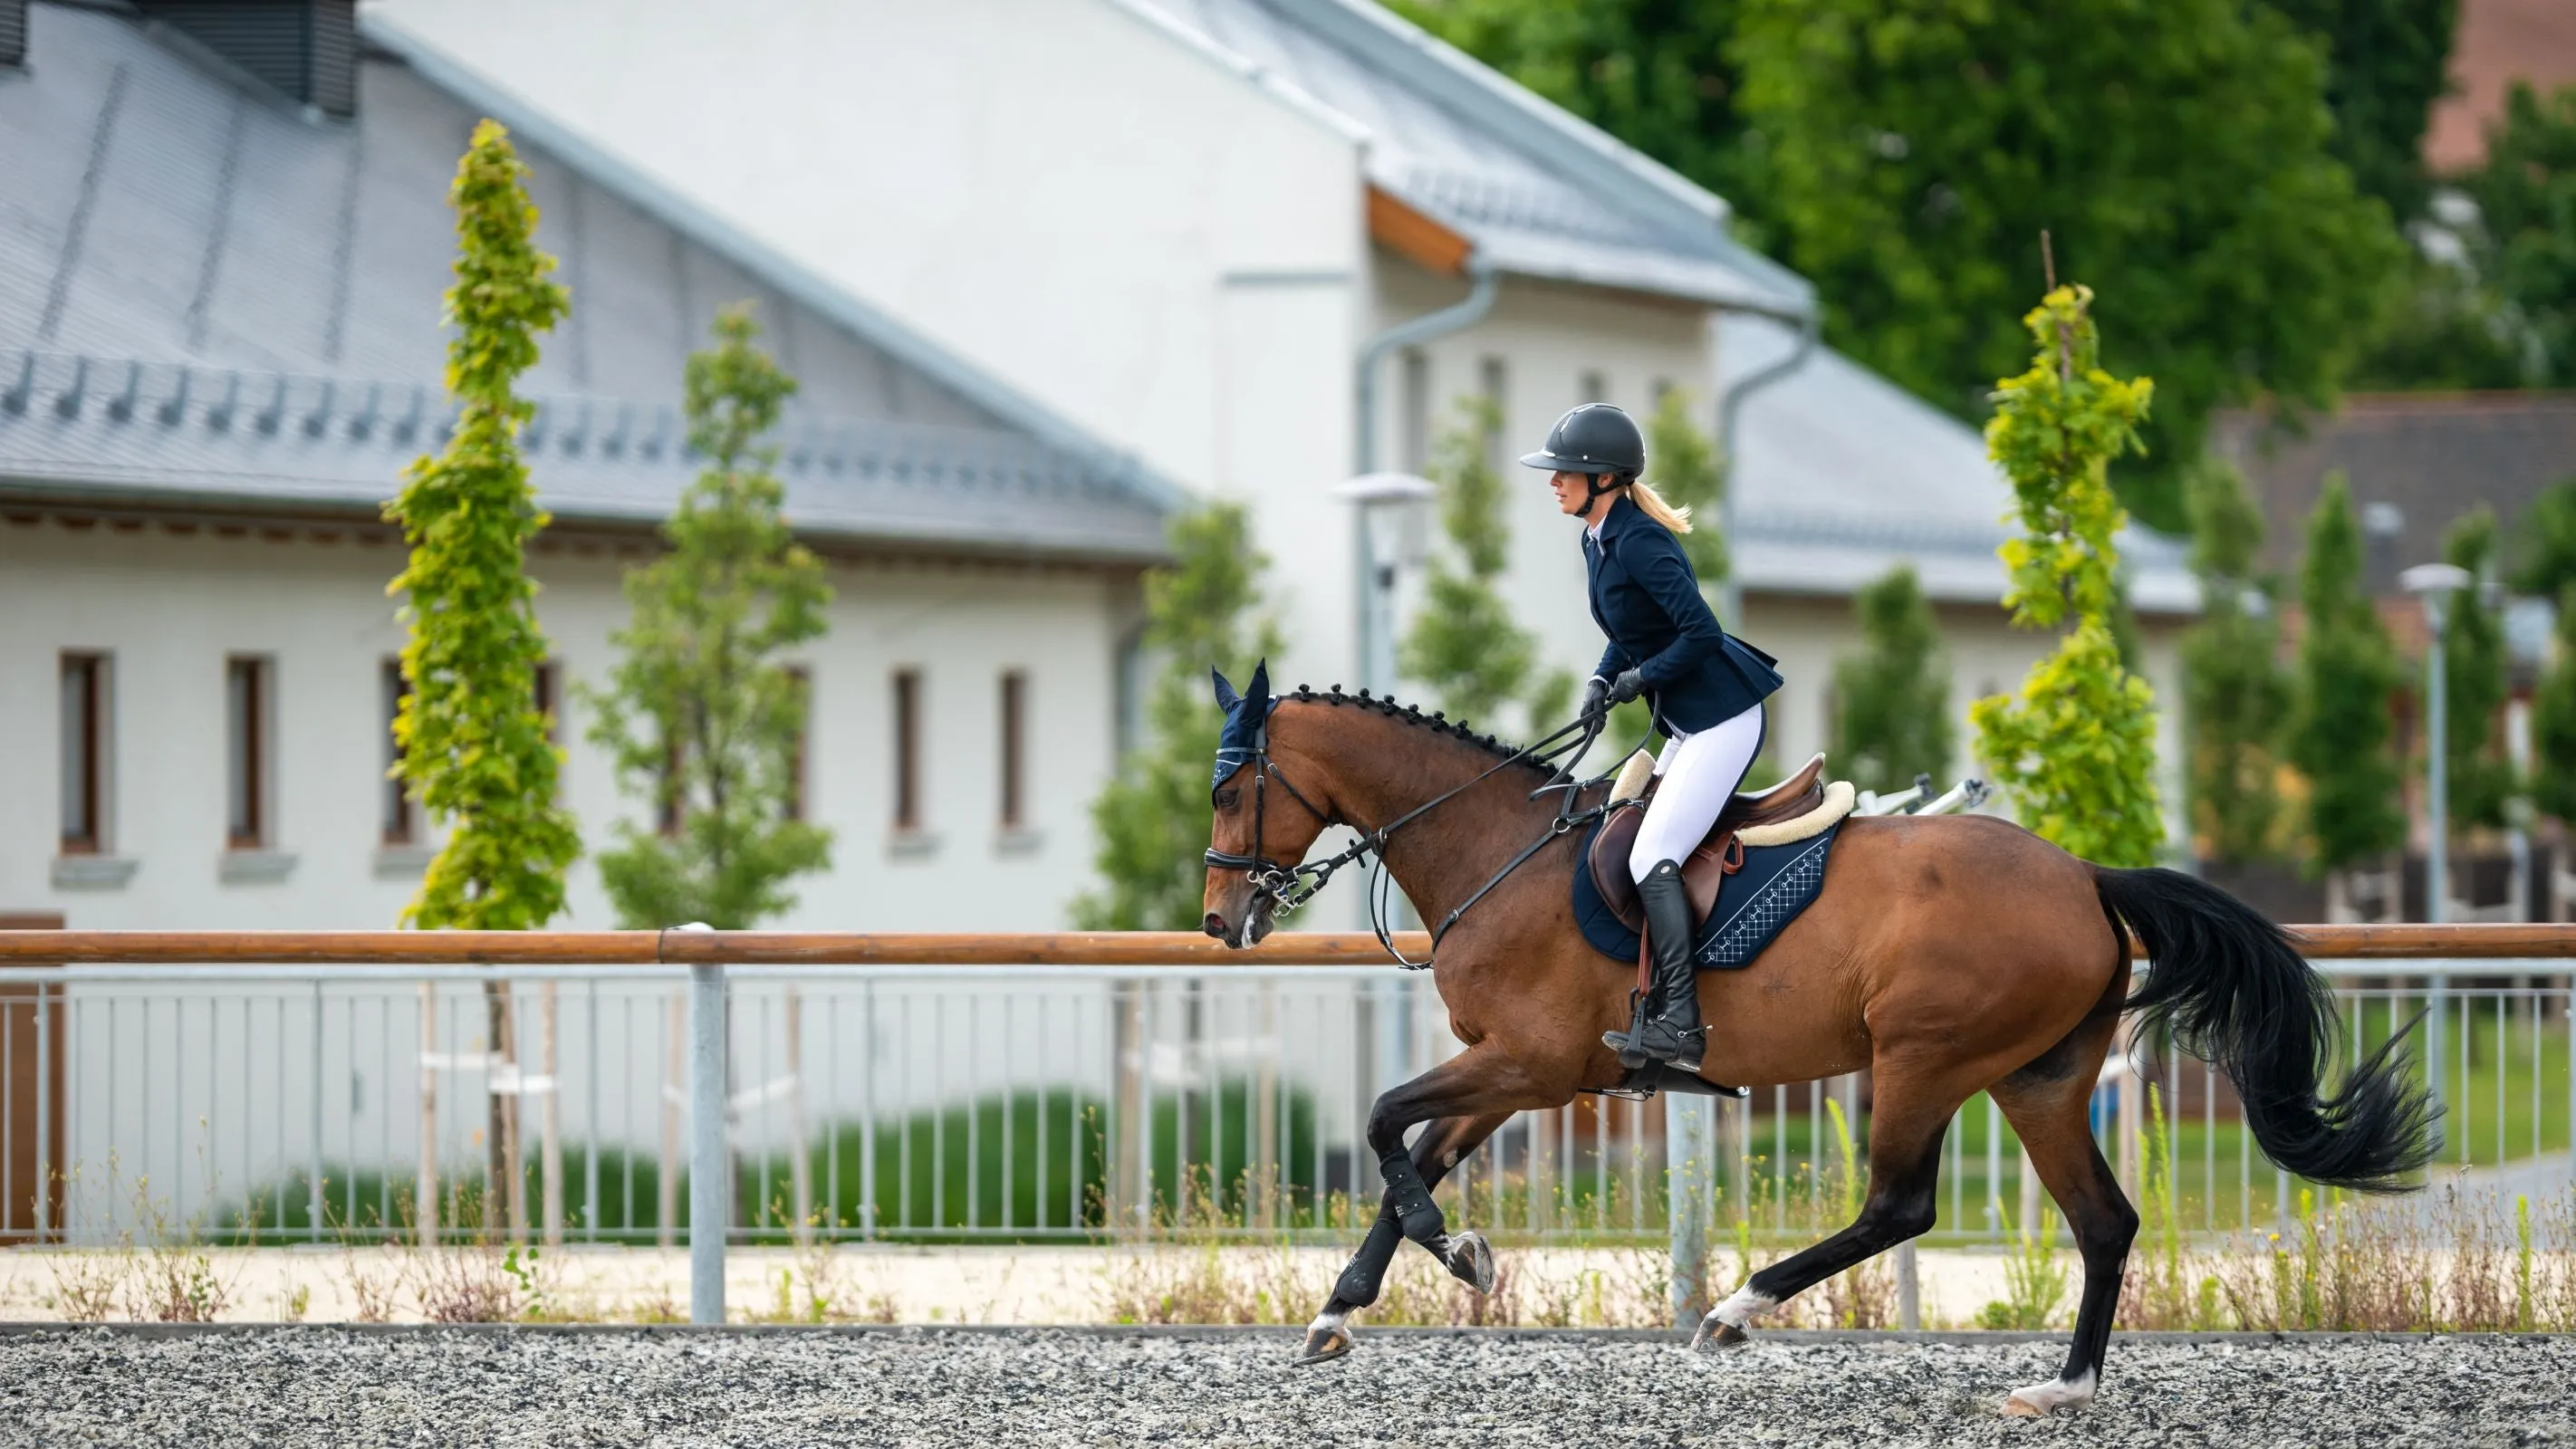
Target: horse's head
(1264, 825)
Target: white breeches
(1699, 772)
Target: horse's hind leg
(1905, 1131)
(2046, 1104)
(1444, 1143)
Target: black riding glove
(1627, 686)
(1596, 697)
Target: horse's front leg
(1465, 1098)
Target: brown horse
(1949, 955)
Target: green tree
(2553, 722)
(1892, 701)
(1682, 464)
(2076, 748)
(2387, 62)
(1154, 819)
(1463, 644)
(2525, 243)
(2236, 696)
(2547, 562)
(1654, 73)
(701, 716)
(2176, 150)
(2474, 679)
(2341, 731)
(471, 743)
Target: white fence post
(710, 1198)
(1691, 1158)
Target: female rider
(1705, 688)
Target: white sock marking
(2058, 1394)
(1740, 1310)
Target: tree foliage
(2387, 62)
(701, 717)
(2525, 241)
(1682, 464)
(2553, 722)
(2176, 150)
(2547, 557)
(1892, 700)
(2341, 731)
(2236, 695)
(2076, 747)
(471, 745)
(2475, 680)
(1463, 644)
(1202, 612)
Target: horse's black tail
(2234, 992)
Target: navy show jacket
(1645, 597)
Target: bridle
(1286, 887)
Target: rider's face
(1573, 492)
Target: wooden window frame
(1014, 704)
(906, 695)
(398, 814)
(249, 727)
(84, 779)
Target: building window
(248, 723)
(907, 749)
(1413, 435)
(85, 736)
(398, 814)
(548, 691)
(1661, 389)
(1592, 386)
(1015, 701)
(801, 685)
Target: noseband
(1287, 887)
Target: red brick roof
(2498, 42)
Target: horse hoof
(2017, 1407)
(1323, 1345)
(1471, 1261)
(1718, 1333)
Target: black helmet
(1594, 438)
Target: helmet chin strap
(1593, 487)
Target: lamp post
(2434, 584)
(1392, 509)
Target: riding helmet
(1594, 438)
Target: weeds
(2034, 1281)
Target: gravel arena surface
(927, 1387)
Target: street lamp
(2435, 583)
(1394, 513)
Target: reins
(1289, 887)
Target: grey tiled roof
(206, 295)
(1540, 192)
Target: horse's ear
(1258, 691)
(1225, 695)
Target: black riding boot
(1667, 1026)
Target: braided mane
(1437, 721)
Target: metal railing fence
(284, 1087)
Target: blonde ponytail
(1652, 504)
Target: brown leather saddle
(1716, 858)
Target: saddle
(1762, 815)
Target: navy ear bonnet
(1247, 719)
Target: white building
(1205, 228)
(220, 345)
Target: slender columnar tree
(2076, 748)
(2474, 679)
(472, 745)
(1892, 701)
(1463, 644)
(702, 715)
(2236, 695)
(2342, 735)
(1202, 611)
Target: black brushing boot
(1667, 1026)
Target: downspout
(1479, 301)
(1730, 593)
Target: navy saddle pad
(1753, 905)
